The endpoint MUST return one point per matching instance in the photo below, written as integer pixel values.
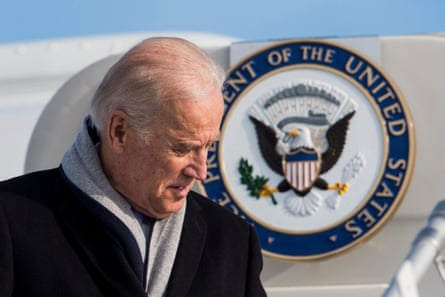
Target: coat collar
(105, 254)
(191, 246)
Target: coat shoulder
(34, 187)
(215, 213)
(30, 182)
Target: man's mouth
(181, 189)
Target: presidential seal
(316, 149)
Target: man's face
(158, 174)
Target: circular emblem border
(338, 238)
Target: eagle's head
(292, 139)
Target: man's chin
(173, 205)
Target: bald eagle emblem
(302, 131)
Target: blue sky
(22, 20)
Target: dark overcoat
(52, 244)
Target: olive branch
(254, 184)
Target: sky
(27, 20)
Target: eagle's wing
(336, 136)
(267, 141)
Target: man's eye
(182, 150)
(209, 145)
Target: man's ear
(117, 130)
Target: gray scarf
(82, 166)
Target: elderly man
(118, 217)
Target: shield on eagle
(301, 168)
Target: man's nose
(198, 168)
